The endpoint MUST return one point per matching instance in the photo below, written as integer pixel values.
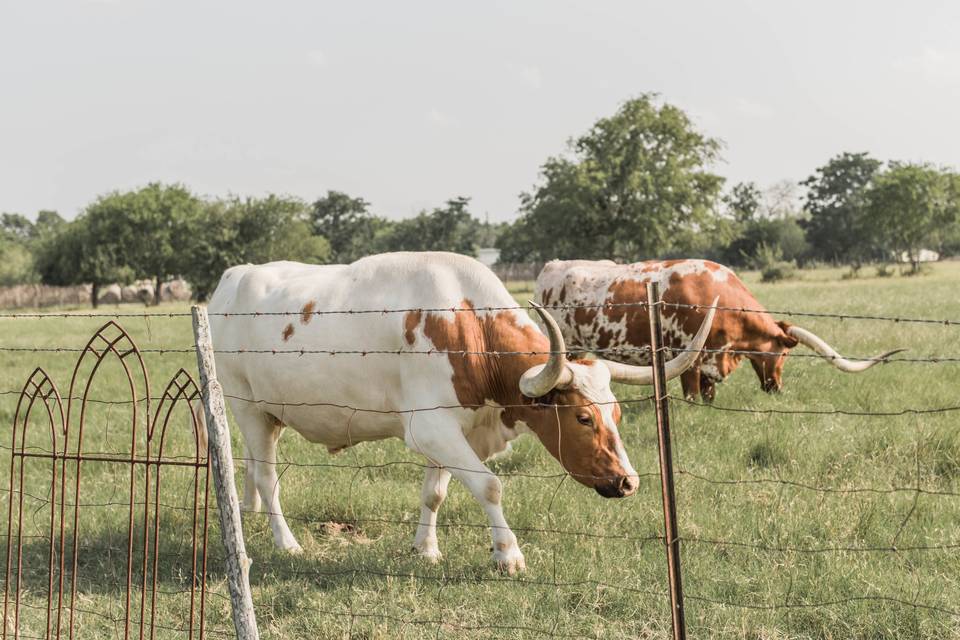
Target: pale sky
(410, 103)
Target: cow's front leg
(708, 389)
(444, 444)
(434, 491)
(690, 381)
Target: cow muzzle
(771, 386)
(620, 488)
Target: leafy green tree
(15, 227)
(255, 230)
(743, 202)
(784, 236)
(154, 225)
(910, 205)
(629, 186)
(347, 224)
(16, 263)
(448, 228)
(837, 229)
(19, 239)
(83, 252)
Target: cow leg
(251, 497)
(434, 491)
(690, 381)
(708, 389)
(444, 444)
(261, 433)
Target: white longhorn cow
(474, 404)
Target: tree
(83, 252)
(836, 202)
(743, 202)
(19, 239)
(765, 222)
(909, 205)
(347, 224)
(628, 187)
(449, 228)
(154, 225)
(237, 231)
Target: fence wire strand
(446, 621)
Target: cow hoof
(510, 561)
(290, 546)
(429, 553)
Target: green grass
(756, 535)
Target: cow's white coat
(454, 440)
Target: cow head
(768, 355)
(576, 416)
(768, 362)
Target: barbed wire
(306, 313)
(616, 351)
(442, 620)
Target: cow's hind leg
(443, 443)
(261, 433)
(251, 497)
(434, 491)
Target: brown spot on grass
(306, 314)
(287, 332)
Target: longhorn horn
(635, 374)
(543, 378)
(818, 344)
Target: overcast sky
(409, 103)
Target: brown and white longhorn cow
(564, 284)
(451, 400)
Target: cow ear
(785, 338)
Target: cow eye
(585, 419)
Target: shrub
(769, 261)
(884, 271)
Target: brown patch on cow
(604, 338)
(493, 491)
(306, 313)
(589, 455)
(410, 322)
(563, 294)
(545, 297)
(287, 332)
(692, 293)
(502, 546)
(584, 316)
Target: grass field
(794, 526)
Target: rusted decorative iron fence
(49, 453)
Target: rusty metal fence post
(221, 460)
(671, 538)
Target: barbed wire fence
(672, 536)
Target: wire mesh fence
(828, 544)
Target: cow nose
(619, 488)
(629, 485)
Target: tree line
(637, 185)
(163, 231)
